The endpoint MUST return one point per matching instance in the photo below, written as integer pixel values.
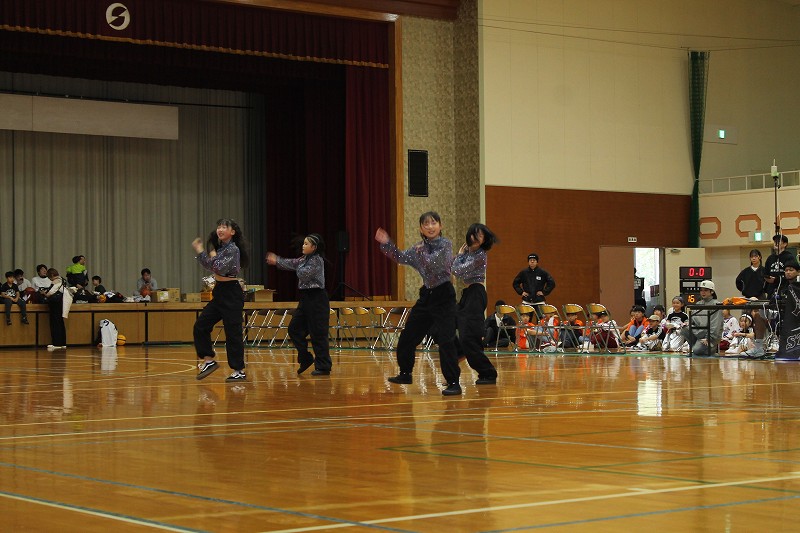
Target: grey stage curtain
(124, 203)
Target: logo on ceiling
(118, 16)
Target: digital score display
(690, 278)
(699, 273)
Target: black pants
(493, 331)
(435, 313)
(226, 305)
(312, 316)
(470, 323)
(58, 331)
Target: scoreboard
(690, 278)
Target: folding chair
(390, 324)
(510, 332)
(362, 315)
(546, 335)
(220, 328)
(283, 325)
(258, 321)
(525, 309)
(604, 335)
(571, 335)
(344, 326)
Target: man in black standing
(773, 268)
(534, 283)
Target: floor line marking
(95, 512)
(639, 492)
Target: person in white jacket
(59, 301)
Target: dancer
(470, 266)
(227, 256)
(435, 310)
(313, 309)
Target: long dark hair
(238, 239)
(489, 238)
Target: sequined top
(310, 270)
(225, 263)
(432, 258)
(470, 266)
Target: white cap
(706, 284)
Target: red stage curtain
(304, 175)
(206, 26)
(367, 185)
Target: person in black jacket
(750, 281)
(534, 283)
(494, 334)
(773, 268)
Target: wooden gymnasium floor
(127, 440)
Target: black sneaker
(207, 368)
(401, 379)
(8, 322)
(25, 320)
(486, 381)
(321, 373)
(304, 366)
(238, 375)
(452, 390)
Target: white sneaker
(774, 346)
(50, 347)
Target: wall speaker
(418, 173)
(342, 241)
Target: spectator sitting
(742, 338)
(146, 284)
(572, 332)
(76, 273)
(605, 334)
(11, 295)
(650, 340)
(730, 325)
(676, 319)
(97, 285)
(496, 328)
(525, 334)
(705, 329)
(633, 329)
(23, 284)
(40, 283)
(547, 331)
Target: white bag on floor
(108, 333)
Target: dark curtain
(326, 100)
(305, 190)
(367, 179)
(698, 83)
(204, 26)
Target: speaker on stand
(342, 247)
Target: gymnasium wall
(595, 93)
(567, 227)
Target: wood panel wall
(567, 227)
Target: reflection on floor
(125, 438)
